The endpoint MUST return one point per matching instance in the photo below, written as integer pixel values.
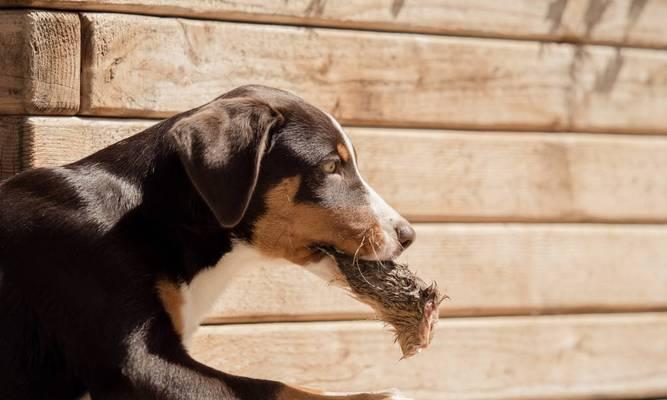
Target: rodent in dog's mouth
(399, 297)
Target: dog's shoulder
(46, 192)
(35, 194)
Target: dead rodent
(398, 296)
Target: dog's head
(284, 174)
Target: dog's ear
(221, 146)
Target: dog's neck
(149, 161)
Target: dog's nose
(405, 233)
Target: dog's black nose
(405, 234)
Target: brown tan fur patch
(288, 229)
(343, 152)
(172, 300)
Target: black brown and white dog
(108, 264)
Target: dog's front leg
(156, 366)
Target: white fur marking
(384, 213)
(206, 287)
(200, 295)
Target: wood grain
(527, 177)
(618, 22)
(460, 176)
(40, 63)
(626, 22)
(140, 66)
(10, 147)
(619, 89)
(574, 357)
(52, 141)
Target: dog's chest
(199, 296)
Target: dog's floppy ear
(221, 146)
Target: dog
(109, 264)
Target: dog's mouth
(320, 250)
(399, 298)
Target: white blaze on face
(384, 213)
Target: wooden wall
(525, 138)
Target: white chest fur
(200, 295)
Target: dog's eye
(330, 166)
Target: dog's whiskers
(355, 261)
(375, 252)
(355, 256)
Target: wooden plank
(460, 176)
(40, 63)
(573, 357)
(510, 177)
(627, 22)
(514, 18)
(141, 66)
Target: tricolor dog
(108, 264)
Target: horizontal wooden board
(575, 357)
(142, 66)
(459, 176)
(528, 177)
(626, 22)
(40, 63)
